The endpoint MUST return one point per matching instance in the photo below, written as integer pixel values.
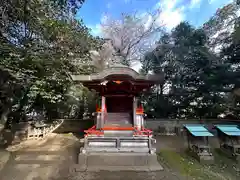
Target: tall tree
(132, 34)
(220, 26)
(40, 47)
(189, 68)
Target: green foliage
(189, 167)
(41, 45)
(199, 80)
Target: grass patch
(191, 168)
(225, 164)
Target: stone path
(52, 159)
(4, 157)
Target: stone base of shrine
(118, 162)
(206, 159)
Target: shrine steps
(118, 133)
(118, 119)
(118, 162)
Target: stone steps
(118, 119)
(118, 162)
(118, 133)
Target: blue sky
(173, 11)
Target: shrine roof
(198, 130)
(118, 73)
(230, 130)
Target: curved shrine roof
(119, 73)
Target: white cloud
(104, 18)
(166, 4)
(95, 30)
(211, 1)
(218, 1)
(196, 3)
(149, 20)
(109, 5)
(171, 15)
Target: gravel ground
(53, 157)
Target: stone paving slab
(4, 158)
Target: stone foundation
(118, 162)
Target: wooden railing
(36, 132)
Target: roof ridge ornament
(104, 83)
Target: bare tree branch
(130, 33)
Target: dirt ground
(53, 157)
